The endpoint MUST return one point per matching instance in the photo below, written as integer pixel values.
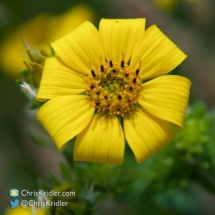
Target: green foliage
(53, 180)
(40, 139)
(66, 172)
(192, 154)
(31, 76)
(80, 203)
(162, 181)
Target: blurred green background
(190, 24)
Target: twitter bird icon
(14, 204)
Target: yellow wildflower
(166, 5)
(24, 211)
(192, 0)
(170, 5)
(37, 31)
(113, 75)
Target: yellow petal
(64, 117)
(158, 54)
(58, 79)
(24, 211)
(146, 134)
(101, 141)
(120, 35)
(18, 210)
(166, 97)
(79, 47)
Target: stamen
(109, 59)
(114, 71)
(92, 87)
(134, 80)
(101, 67)
(119, 97)
(122, 62)
(131, 88)
(92, 71)
(138, 70)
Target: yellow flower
(37, 31)
(26, 211)
(166, 5)
(192, 0)
(169, 5)
(113, 75)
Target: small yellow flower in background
(37, 31)
(166, 5)
(24, 211)
(115, 74)
(169, 5)
(192, 0)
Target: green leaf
(24, 73)
(35, 104)
(53, 180)
(41, 141)
(68, 152)
(66, 172)
(42, 185)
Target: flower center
(113, 87)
